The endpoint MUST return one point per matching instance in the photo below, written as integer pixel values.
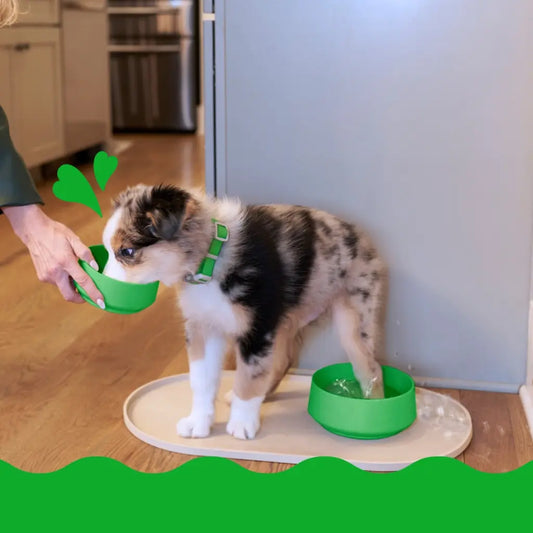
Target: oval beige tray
(288, 434)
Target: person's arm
(16, 185)
(53, 247)
(54, 250)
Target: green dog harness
(207, 265)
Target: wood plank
(66, 369)
(521, 436)
(81, 392)
(500, 442)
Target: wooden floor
(66, 369)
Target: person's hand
(54, 250)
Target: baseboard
(445, 383)
(526, 395)
(36, 174)
(116, 147)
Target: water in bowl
(350, 388)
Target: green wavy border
(214, 494)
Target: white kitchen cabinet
(30, 91)
(39, 12)
(86, 89)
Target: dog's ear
(166, 208)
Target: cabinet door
(36, 97)
(39, 12)
(87, 106)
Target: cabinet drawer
(39, 12)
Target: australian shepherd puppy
(280, 269)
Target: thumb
(82, 251)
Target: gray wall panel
(414, 119)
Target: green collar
(207, 266)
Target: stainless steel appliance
(153, 49)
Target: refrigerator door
(415, 120)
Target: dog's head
(152, 234)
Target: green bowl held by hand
(120, 297)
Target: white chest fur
(207, 305)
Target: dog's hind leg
(358, 347)
(205, 349)
(283, 358)
(257, 375)
(285, 351)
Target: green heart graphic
(74, 187)
(104, 165)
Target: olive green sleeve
(16, 184)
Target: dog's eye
(126, 252)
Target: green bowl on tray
(120, 297)
(357, 417)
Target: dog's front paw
(243, 429)
(195, 425)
